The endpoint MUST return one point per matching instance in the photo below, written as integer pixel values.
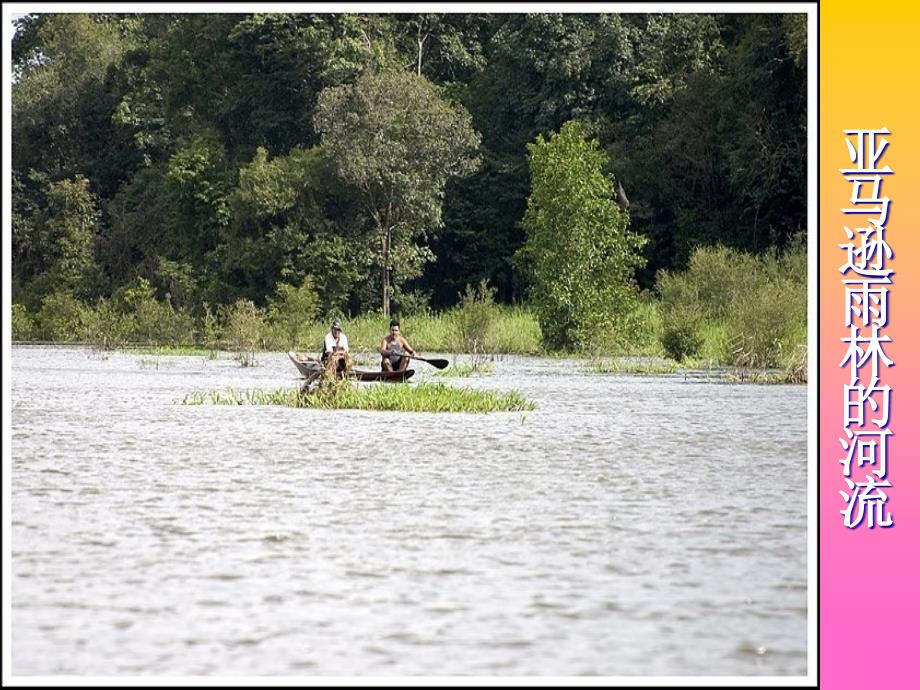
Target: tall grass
(515, 330)
(727, 309)
(247, 329)
(511, 330)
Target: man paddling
(393, 350)
(335, 348)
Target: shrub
(139, 301)
(155, 322)
(22, 324)
(62, 317)
(474, 318)
(716, 278)
(736, 308)
(721, 277)
(795, 363)
(644, 324)
(209, 329)
(108, 326)
(715, 345)
(680, 335)
(291, 311)
(759, 323)
(177, 326)
(635, 332)
(244, 328)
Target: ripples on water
(630, 525)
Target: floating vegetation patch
(773, 376)
(466, 370)
(146, 363)
(698, 370)
(631, 366)
(733, 375)
(425, 397)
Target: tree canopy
(374, 157)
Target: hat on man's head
(337, 324)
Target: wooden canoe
(311, 368)
(394, 376)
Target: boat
(311, 368)
(393, 376)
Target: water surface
(630, 525)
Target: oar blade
(438, 363)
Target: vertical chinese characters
(866, 402)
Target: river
(630, 525)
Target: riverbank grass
(700, 368)
(629, 366)
(465, 370)
(175, 351)
(425, 397)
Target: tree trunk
(385, 273)
(386, 292)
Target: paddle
(436, 363)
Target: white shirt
(330, 343)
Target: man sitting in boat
(393, 350)
(335, 349)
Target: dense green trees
(221, 157)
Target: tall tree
(397, 143)
(579, 249)
(69, 231)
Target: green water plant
(425, 397)
(761, 376)
(627, 366)
(154, 363)
(466, 369)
